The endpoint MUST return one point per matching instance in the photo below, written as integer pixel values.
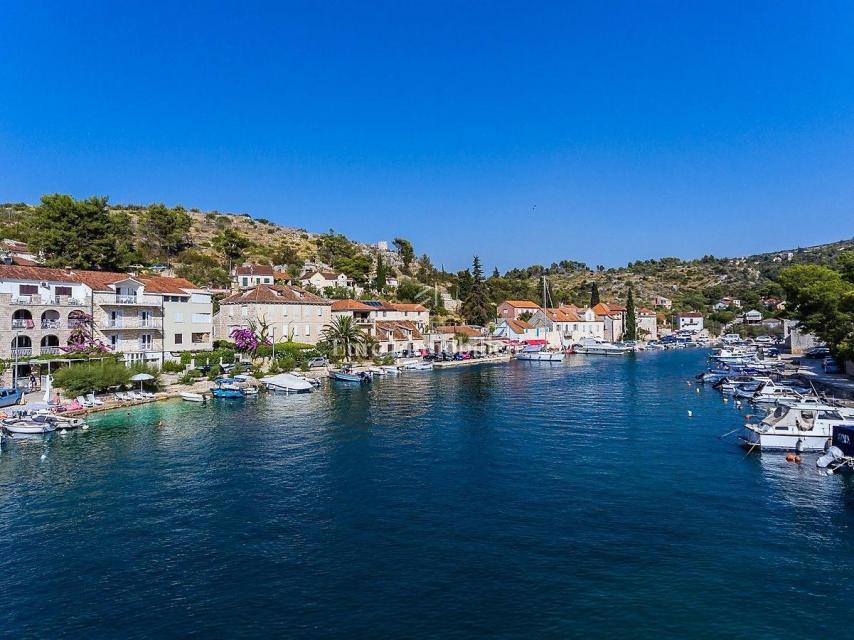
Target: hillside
(201, 246)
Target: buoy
(790, 457)
(690, 413)
(44, 457)
(698, 389)
(726, 399)
(738, 404)
(797, 459)
(85, 427)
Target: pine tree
(594, 295)
(477, 309)
(631, 332)
(380, 280)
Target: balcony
(48, 301)
(23, 323)
(50, 324)
(51, 351)
(133, 323)
(111, 299)
(22, 352)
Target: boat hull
(541, 356)
(806, 441)
(192, 397)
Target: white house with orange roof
(565, 327)
(512, 309)
(514, 330)
(613, 316)
(647, 324)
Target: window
(29, 289)
(200, 337)
(204, 318)
(285, 310)
(145, 341)
(230, 311)
(308, 329)
(62, 291)
(179, 338)
(244, 311)
(296, 329)
(114, 340)
(179, 317)
(245, 282)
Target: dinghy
(191, 396)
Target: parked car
(817, 352)
(830, 365)
(318, 362)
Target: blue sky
(524, 132)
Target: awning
(535, 341)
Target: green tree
(343, 336)
(822, 301)
(76, 233)
(231, 245)
(164, 231)
(202, 270)
(380, 279)
(426, 271)
(477, 308)
(631, 332)
(406, 252)
(464, 284)
(594, 295)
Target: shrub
(215, 372)
(99, 376)
(171, 366)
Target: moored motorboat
(424, 365)
(27, 426)
(348, 375)
(287, 383)
(594, 346)
(539, 353)
(191, 396)
(795, 428)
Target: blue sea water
(504, 501)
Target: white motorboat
(797, 428)
(538, 353)
(594, 346)
(191, 396)
(287, 383)
(390, 370)
(26, 426)
(418, 366)
(771, 393)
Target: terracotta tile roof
(522, 304)
(274, 294)
(254, 270)
(351, 305)
(15, 272)
(518, 326)
(388, 330)
(691, 314)
(643, 311)
(95, 280)
(162, 284)
(16, 245)
(615, 307)
(398, 306)
(602, 309)
(472, 332)
(561, 315)
(23, 262)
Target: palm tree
(342, 330)
(462, 339)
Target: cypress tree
(631, 332)
(476, 307)
(594, 295)
(380, 280)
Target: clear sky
(525, 132)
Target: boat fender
(790, 457)
(797, 459)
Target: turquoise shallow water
(517, 501)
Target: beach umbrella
(141, 377)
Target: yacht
(797, 427)
(594, 346)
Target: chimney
(67, 269)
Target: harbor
(327, 488)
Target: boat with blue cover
(227, 388)
(348, 375)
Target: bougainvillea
(244, 339)
(80, 338)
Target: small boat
(796, 428)
(288, 383)
(10, 396)
(390, 370)
(190, 396)
(418, 366)
(348, 375)
(594, 346)
(539, 353)
(839, 458)
(27, 426)
(227, 390)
